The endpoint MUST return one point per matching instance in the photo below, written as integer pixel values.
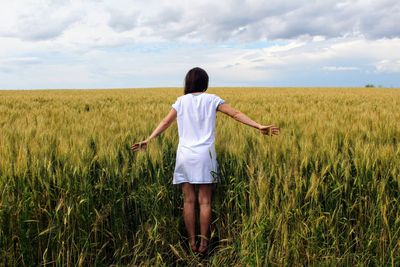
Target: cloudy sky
(121, 43)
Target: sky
(153, 43)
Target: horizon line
(211, 87)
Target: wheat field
(325, 192)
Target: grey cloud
(44, 23)
(382, 21)
(165, 22)
(169, 23)
(163, 17)
(371, 19)
(123, 21)
(217, 21)
(127, 20)
(254, 20)
(43, 31)
(240, 20)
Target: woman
(196, 158)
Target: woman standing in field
(196, 162)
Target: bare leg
(205, 193)
(189, 197)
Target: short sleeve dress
(196, 160)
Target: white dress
(196, 160)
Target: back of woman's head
(196, 80)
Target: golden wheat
(326, 191)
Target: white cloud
(153, 43)
(339, 68)
(21, 60)
(388, 66)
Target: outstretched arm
(239, 116)
(164, 124)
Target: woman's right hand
(269, 130)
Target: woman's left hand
(269, 130)
(139, 146)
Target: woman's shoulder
(215, 98)
(212, 96)
(181, 97)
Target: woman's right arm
(239, 116)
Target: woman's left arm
(164, 124)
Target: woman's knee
(189, 195)
(205, 194)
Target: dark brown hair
(196, 80)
